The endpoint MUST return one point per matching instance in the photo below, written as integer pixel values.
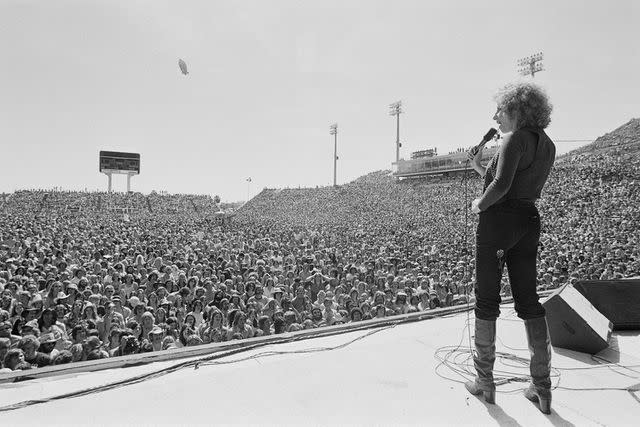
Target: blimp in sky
(183, 67)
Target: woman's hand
(475, 157)
(474, 206)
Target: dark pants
(508, 233)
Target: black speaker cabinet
(574, 323)
(618, 300)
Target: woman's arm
(480, 169)
(474, 160)
(513, 148)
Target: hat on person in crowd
(134, 301)
(422, 292)
(61, 298)
(156, 331)
(48, 338)
(29, 329)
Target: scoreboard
(113, 161)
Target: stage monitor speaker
(618, 300)
(574, 323)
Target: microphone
(486, 138)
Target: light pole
(248, 186)
(333, 130)
(530, 65)
(395, 109)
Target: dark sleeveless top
(532, 169)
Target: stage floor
(391, 376)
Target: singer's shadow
(504, 419)
(498, 414)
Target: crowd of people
(90, 283)
(57, 202)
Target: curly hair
(27, 341)
(12, 358)
(527, 102)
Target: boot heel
(543, 402)
(545, 405)
(489, 396)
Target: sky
(267, 79)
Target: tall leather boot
(485, 341)
(540, 366)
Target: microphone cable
(465, 179)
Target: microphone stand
(466, 246)
(466, 202)
(492, 132)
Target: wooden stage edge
(230, 347)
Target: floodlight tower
(333, 130)
(531, 65)
(395, 109)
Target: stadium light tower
(395, 109)
(531, 64)
(333, 130)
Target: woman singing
(508, 233)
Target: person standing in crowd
(508, 233)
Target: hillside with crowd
(89, 275)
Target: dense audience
(86, 276)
